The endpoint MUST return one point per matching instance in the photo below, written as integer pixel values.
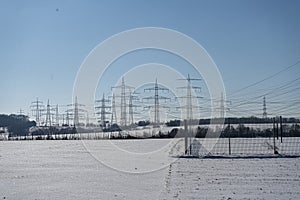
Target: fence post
(190, 129)
(185, 138)
(274, 136)
(229, 143)
(277, 129)
(281, 129)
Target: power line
(267, 78)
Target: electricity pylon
(21, 112)
(131, 106)
(189, 111)
(264, 115)
(56, 115)
(48, 115)
(103, 111)
(76, 117)
(189, 97)
(113, 111)
(87, 122)
(68, 118)
(223, 106)
(37, 108)
(125, 89)
(156, 99)
(76, 112)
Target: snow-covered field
(274, 178)
(137, 169)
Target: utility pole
(156, 98)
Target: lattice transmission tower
(103, 111)
(77, 113)
(156, 88)
(125, 97)
(48, 115)
(264, 115)
(188, 107)
(37, 108)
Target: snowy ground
(276, 178)
(137, 169)
(66, 170)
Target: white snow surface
(269, 178)
(137, 169)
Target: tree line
(16, 124)
(233, 120)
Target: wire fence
(245, 146)
(248, 139)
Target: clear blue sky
(43, 43)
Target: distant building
(3, 133)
